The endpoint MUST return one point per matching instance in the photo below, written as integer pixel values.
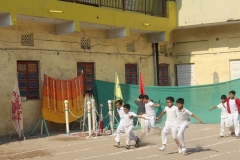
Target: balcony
(148, 7)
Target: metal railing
(148, 7)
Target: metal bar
(45, 126)
(145, 7)
(164, 8)
(123, 3)
(36, 126)
(100, 3)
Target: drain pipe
(155, 64)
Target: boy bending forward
(183, 122)
(128, 121)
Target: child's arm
(139, 116)
(160, 115)
(213, 108)
(136, 101)
(196, 117)
(157, 105)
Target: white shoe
(184, 150)
(179, 150)
(163, 148)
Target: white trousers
(224, 123)
(129, 134)
(167, 128)
(234, 122)
(142, 122)
(120, 128)
(150, 122)
(180, 132)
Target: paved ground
(201, 140)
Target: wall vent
(27, 39)
(130, 47)
(85, 43)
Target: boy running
(141, 110)
(121, 126)
(170, 124)
(128, 122)
(150, 114)
(183, 122)
(224, 114)
(233, 108)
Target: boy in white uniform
(150, 114)
(233, 108)
(170, 124)
(121, 126)
(128, 121)
(183, 122)
(224, 114)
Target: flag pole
(114, 99)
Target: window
(28, 79)
(185, 75)
(163, 75)
(88, 74)
(131, 75)
(235, 69)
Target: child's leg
(147, 125)
(165, 131)
(180, 134)
(142, 122)
(236, 123)
(174, 134)
(118, 131)
(222, 126)
(129, 135)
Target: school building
(171, 42)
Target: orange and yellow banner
(55, 92)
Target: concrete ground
(201, 140)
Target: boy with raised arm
(183, 122)
(224, 114)
(128, 122)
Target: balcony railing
(148, 7)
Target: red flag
(141, 84)
(17, 117)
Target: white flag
(17, 117)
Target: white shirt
(224, 112)
(171, 115)
(121, 113)
(129, 121)
(233, 105)
(150, 109)
(182, 117)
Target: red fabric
(141, 84)
(237, 103)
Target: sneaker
(137, 142)
(184, 150)
(232, 134)
(117, 145)
(163, 148)
(179, 150)
(127, 147)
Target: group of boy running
(230, 110)
(177, 119)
